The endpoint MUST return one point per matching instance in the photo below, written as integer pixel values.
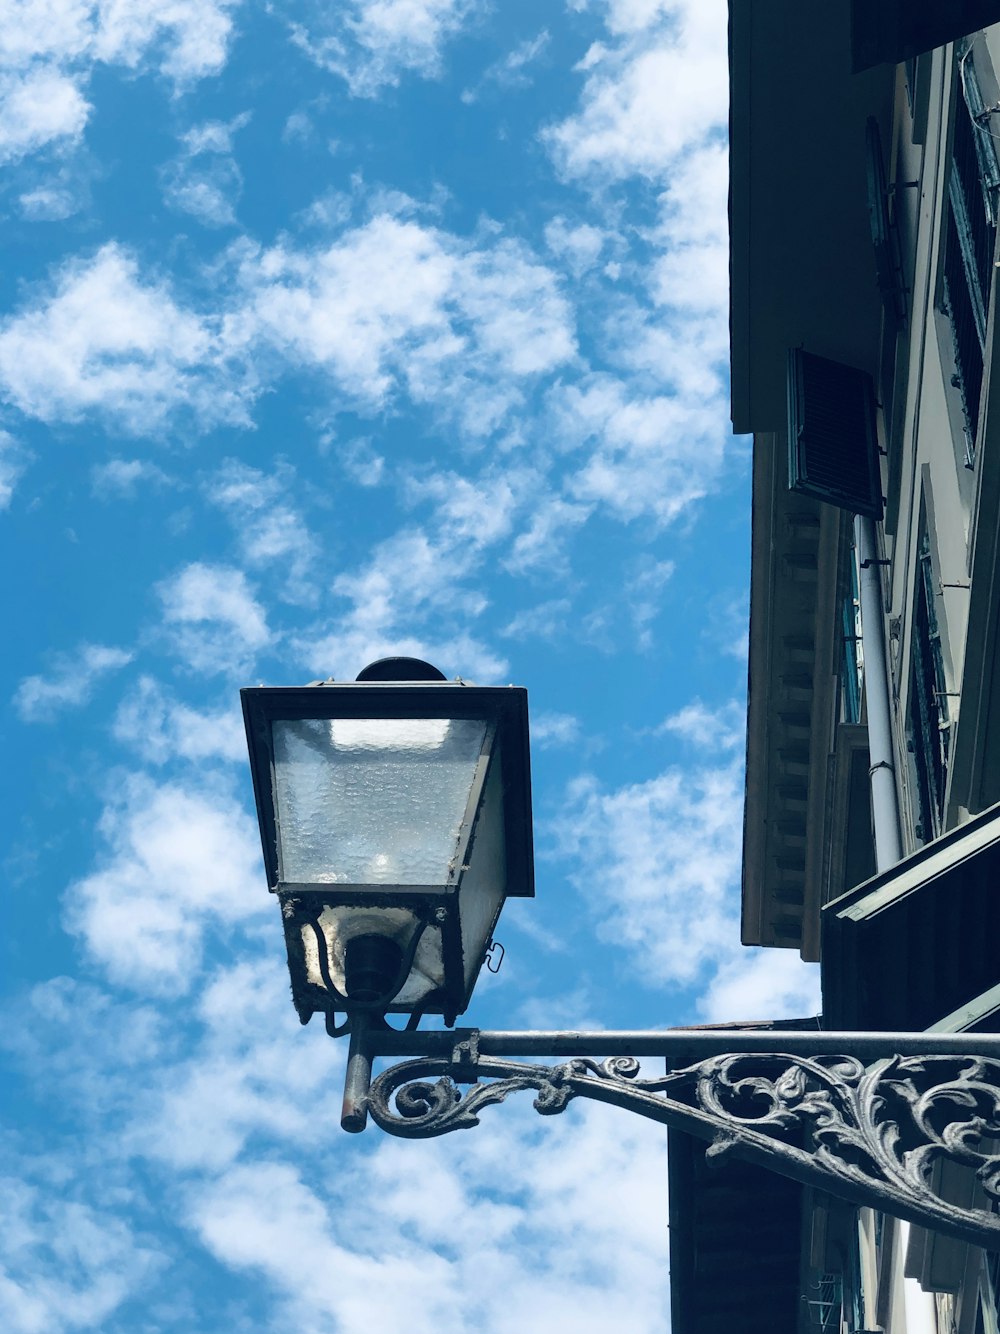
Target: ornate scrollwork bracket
(876, 1134)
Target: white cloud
(67, 1265)
(650, 455)
(252, 1072)
(406, 573)
(660, 866)
(474, 514)
(762, 984)
(577, 1205)
(56, 195)
(510, 70)
(160, 728)
(661, 88)
(206, 189)
(298, 128)
(391, 308)
(184, 38)
(677, 351)
(14, 460)
(214, 136)
(212, 620)
(269, 528)
(565, 1215)
(417, 586)
(397, 305)
(554, 729)
(709, 729)
(362, 463)
(264, 1217)
(38, 106)
(188, 39)
(112, 1039)
(643, 591)
(547, 620)
(47, 30)
(49, 49)
(344, 650)
(175, 862)
(123, 477)
(692, 274)
(541, 542)
(629, 16)
(725, 626)
(372, 44)
(68, 683)
(578, 245)
(204, 180)
(411, 582)
(101, 340)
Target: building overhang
(735, 1244)
(918, 942)
(886, 30)
(801, 258)
(735, 1236)
(792, 701)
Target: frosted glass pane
(372, 801)
(485, 881)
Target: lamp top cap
(400, 669)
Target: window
(910, 69)
(928, 725)
(825, 1304)
(970, 230)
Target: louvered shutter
(888, 31)
(832, 443)
(887, 266)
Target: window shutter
(889, 31)
(887, 265)
(832, 442)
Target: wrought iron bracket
(871, 1118)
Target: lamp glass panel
(485, 883)
(372, 801)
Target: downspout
(882, 761)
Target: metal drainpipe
(885, 799)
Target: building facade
(865, 201)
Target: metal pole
(358, 1078)
(885, 799)
(680, 1045)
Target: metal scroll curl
(878, 1136)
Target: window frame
(928, 720)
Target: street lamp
(395, 818)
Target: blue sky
(329, 331)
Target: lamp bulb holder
(371, 967)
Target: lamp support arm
(870, 1117)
